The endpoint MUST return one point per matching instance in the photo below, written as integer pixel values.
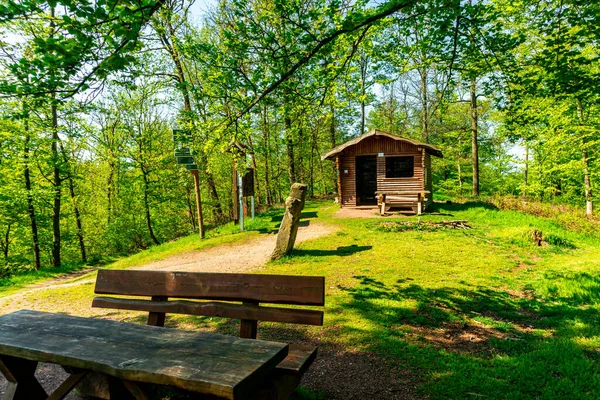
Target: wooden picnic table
(382, 197)
(208, 363)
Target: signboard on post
(185, 156)
(248, 183)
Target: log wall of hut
(390, 148)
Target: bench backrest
(249, 289)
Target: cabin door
(366, 180)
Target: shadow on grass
(304, 214)
(439, 207)
(477, 341)
(342, 251)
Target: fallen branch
(424, 225)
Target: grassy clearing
(470, 313)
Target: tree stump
(289, 224)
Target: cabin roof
(434, 151)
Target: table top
(209, 363)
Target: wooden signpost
(184, 156)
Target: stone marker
(289, 224)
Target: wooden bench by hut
(379, 168)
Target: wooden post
(289, 224)
(381, 201)
(249, 327)
(198, 202)
(241, 201)
(234, 196)
(339, 180)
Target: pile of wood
(456, 224)
(425, 225)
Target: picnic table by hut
(380, 168)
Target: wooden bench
(416, 199)
(171, 292)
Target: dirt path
(236, 257)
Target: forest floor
(415, 309)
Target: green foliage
(289, 80)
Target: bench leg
(22, 384)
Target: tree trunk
(188, 195)
(147, 206)
(75, 207)
(299, 162)
(425, 105)
(474, 143)
(255, 167)
(587, 181)
(30, 207)
(526, 172)
(78, 221)
(6, 242)
(363, 91)
(57, 183)
(290, 149)
(460, 184)
(109, 190)
(333, 142)
(198, 203)
(268, 195)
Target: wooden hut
(379, 168)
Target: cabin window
(399, 167)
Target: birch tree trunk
(474, 143)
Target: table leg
(68, 385)
(22, 384)
(135, 390)
(118, 390)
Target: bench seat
(237, 296)
(299, 358)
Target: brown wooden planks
(389, 147)
(203, 362)
(278, 289)
(215, 309)
(299, 358)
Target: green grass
(14, 283)
(470, 313)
